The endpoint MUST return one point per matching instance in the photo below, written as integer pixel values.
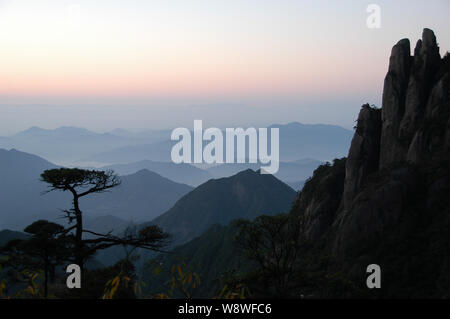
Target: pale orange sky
(61, 51)
(93, 50)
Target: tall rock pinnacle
(407, 88)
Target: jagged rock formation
(390, 204)
(413, 92)
(364, 155)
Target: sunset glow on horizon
(202, 49)
(71, 48)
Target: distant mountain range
(150, 136)
(159, 152)
(65, 144)
(22, 201)
(142, 196)
(247, 195)
(180, 173)
(292, 173)
(151, 184)
(319, 141)
(81, 147)
(289, 172)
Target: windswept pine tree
(81, 183)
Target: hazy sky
(153, 64)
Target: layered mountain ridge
(141, 196)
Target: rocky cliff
(388, 203)
(415, 97)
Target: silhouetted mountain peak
(247, 173)
(13, 158)
(247, 194)
(146, 172)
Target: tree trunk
(79, 259)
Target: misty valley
(222, 155)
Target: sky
(160, 64)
